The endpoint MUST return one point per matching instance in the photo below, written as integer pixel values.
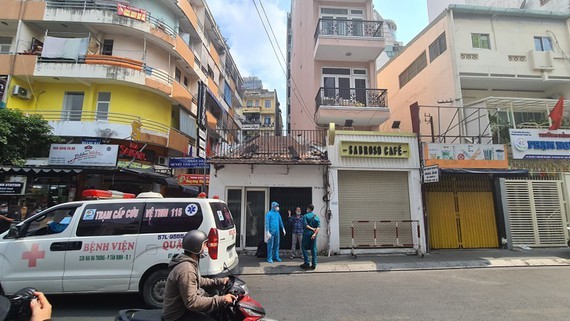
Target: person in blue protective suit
(273, 226)
(312, 225)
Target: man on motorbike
(184, 293)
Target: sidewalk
(435, 260)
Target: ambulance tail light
(213, 243)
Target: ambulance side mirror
(13, 233)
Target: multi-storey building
(154, 77)
(261, 111)
(472, 75)
(333, 46)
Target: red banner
(193, 179)
(131, 12)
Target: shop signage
(192, 179)
(540, 144)
(88, 140)
(128, 164)
(431, 174)
(466, 155)
(83, 155)
(11, 188)
(186, 162)
(133, 150)
(374, 149)
(131, 12)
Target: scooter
(244, 307)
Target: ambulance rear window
(222, 215)
(162, 217)
(110, 219)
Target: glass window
(110, 219)
(107, 47)
(103, 104)
(256, 103)
(222, 215)
(336, 71)
(480, 40)
(49, 222)
(542, 44)
(437, 47)
(171, 217)
(268, 104)
(177, 75)
(267, 121)
(72, 106)
(415, 68)
(249, 103)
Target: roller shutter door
(371, 196)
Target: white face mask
(277, 208)
(298, 213)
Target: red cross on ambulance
(33, 255)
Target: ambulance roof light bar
(105, 194)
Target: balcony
(268, 147)
(348, 40)
(249, 110)
(101, 12)
(352, 107)
(81, 123)
(249, 124)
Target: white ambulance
(117, 245)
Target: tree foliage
(23, 136)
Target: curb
(393, 267)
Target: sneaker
(304, 266)
(313, 267)
(278, 260)
(269, 261)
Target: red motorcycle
(244, 308)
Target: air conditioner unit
(541, 60)
(21, 92)
(161, 160)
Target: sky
(250, 47)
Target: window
(103, 103)
(542, 44)
(267, 121)
(480, 40)
(185, 82)
(187, 124)
(5, 44)
(418, 65)
(110, 219)
(72, 106)
(50, 222)
(267, 103)
(210, 72)
(437, 47)
(171, 217)
(177, 75)
(107, 47)
(227, 93)
(249, 103)
(256, 103)
(223, 216)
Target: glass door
(256, 205)
(235, 202)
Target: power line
(303, 104)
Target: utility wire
(303, 104)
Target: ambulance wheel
(153, 289)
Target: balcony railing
(348, 28)
(262, 146)
(352, 97)
(92, 116)
(109, 6)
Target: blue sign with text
(186, 162)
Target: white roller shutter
(536, 212)
(371, 196)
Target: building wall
(236, 176)
(436, 82)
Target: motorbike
(244, 307)
(19, 303)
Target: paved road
(475, 294)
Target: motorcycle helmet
(193, 241)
